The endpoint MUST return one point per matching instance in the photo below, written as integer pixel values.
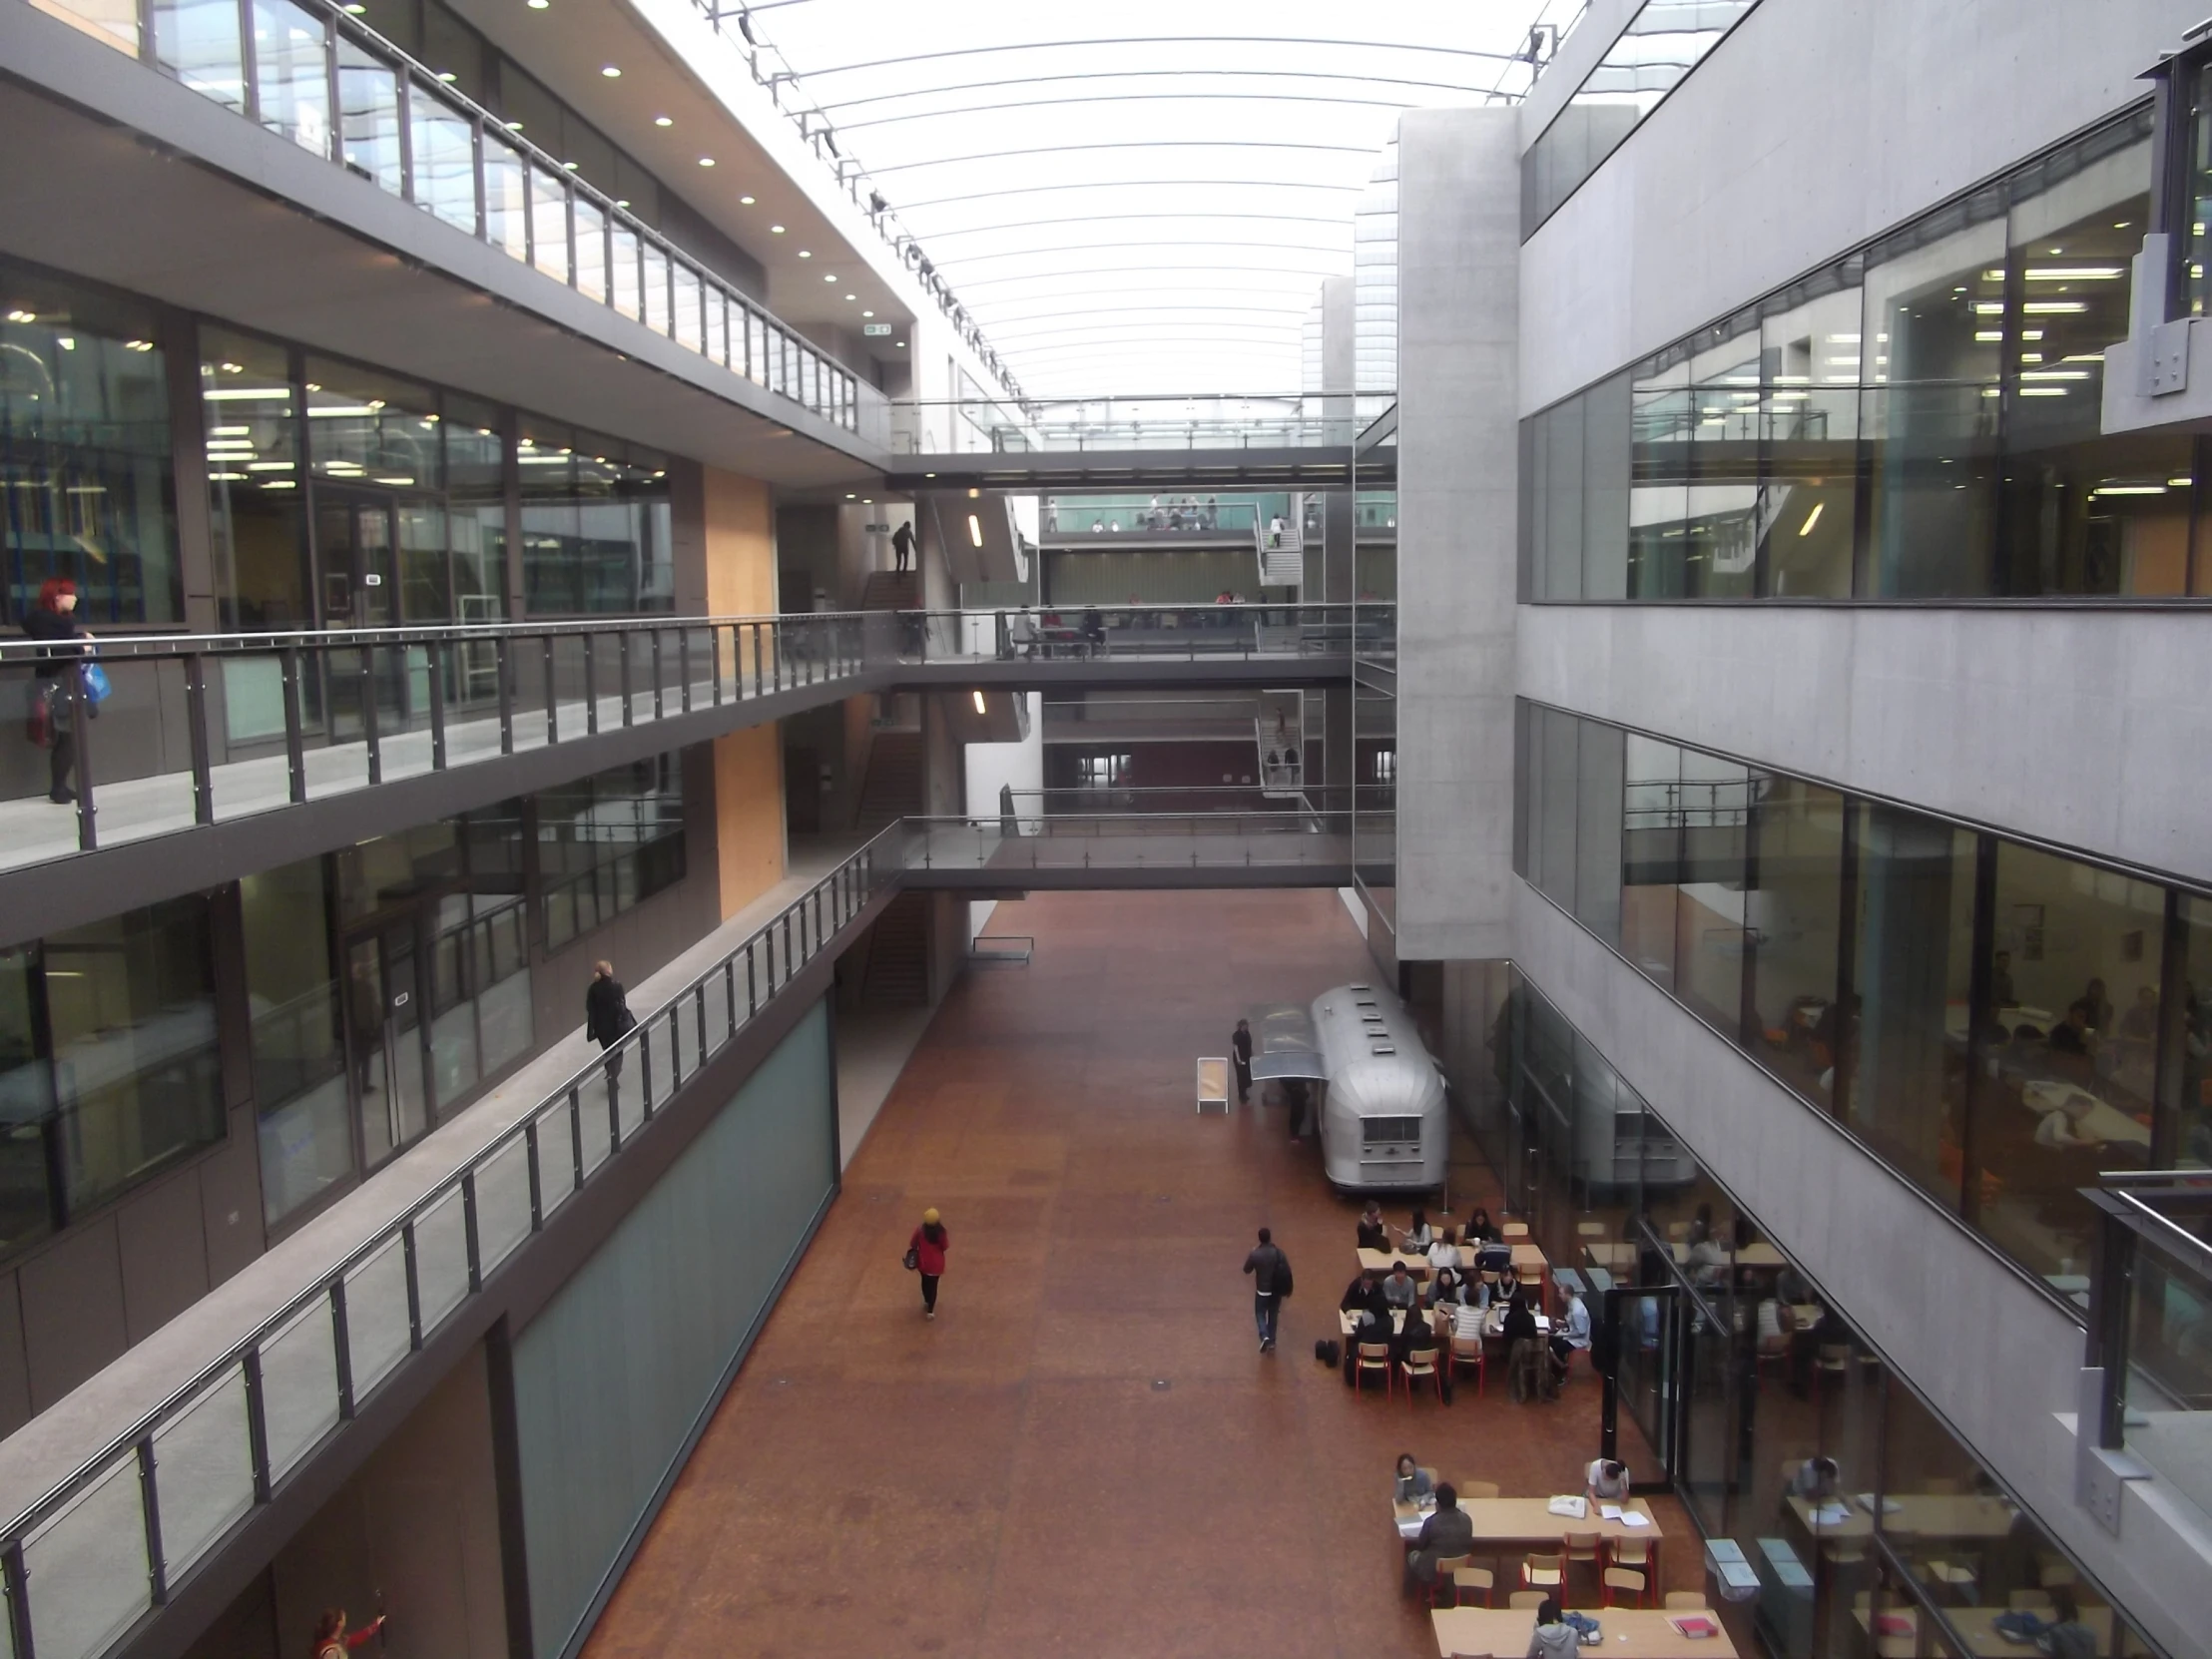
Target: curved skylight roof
(1142, 199)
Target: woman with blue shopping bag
(64, 675)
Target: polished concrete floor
(1085, 1454)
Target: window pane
(717, 324)
(687, 306)
(1605, 486)
(1904, 1036)
(1597, 838)
(368, 117)
(131, 1005)
(591, 249)
(1722, 543)
(1709, 934)
(2071, 1065)
(624, 282)
(476, 461)
(1794, 905)
(367, 425)
(444, 160)
(2189, 1039)
(1661, 421)
(1553, 784)
(292, 74)
(26, 1212)
(84, 438)
(656, 289)
(1808, 357)
(506, 196)
(1934, 315)
(254, 493)
(1651, 855)
(306, 1142)
(197, 42)
(549, 223)
(613, 838)
(1559, 505)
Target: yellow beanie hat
(929, 1216)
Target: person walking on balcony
(54, 700)
(606, 1016)
(902, 545)
(925, 1255)
(1240, 1041)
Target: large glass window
(1793, 907)
(1710, 941)
(1810, 362)
(607, 841)
(2189, 1038)
(596, 524)
(1651, 855)
(299, 1084)
(84, 452)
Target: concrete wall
(1814, 126)
(1458, 321)
(2079, 727)
(1986, 1347)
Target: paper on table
(1567, 1505)
(1634, 1518)
(1609, 1511)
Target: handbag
(911, 1260)
(97, 689)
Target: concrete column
(1458, 341)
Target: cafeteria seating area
(1084, 1452)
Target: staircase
(1282, 555)
(892, 788)
(891, 590)
(897, 971)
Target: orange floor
(1085, 1454)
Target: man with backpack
(1271, 1283)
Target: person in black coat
(606, 1016)
(54, 618)
(1239, 1043)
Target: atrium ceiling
(1141, 199)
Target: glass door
(384, 1018)
(357, 582)
(1647, 1377)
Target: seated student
(1418, 1236)
(1443, 1253)
(1508, 1285)
(1816, 1480)
(1373, 1234)
(1521, 1319)
(1399, 1289)
(1553, 1637)
(1445, 1289)
(2062, 1127)
(2064, 1635)
(1466, 1321)
(1607, 1481)
(1417, 1341)
(1360, 1293)
(1570, 1331)
(1411, 1483)
(1481, 1229)
(1444, 1535)
(1775, 1321)
(1495, 1256)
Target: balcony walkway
(1084, 1454)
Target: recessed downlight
(611, 71)
(705, 161)
(832, 277)
(804, 253)
(776, 230)
(867, 313)
(745, 201)
(663, 121)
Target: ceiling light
(830, 277)
(1812, 518)
(974, 530)
(540, 5)
(22, 316)
(705, 161)
(67, 343)
(2074, 274)
(611, 71)
(852, 495)
(663, 121)
(867, 313)
(852, 297)
(2178, 483)
(622, 200)
(2129, 489)
(902, 344)
(568, 167)
(2045, 308)
(514, 126)
(776, 230)
(806, 253)
(745, 201)
(979, 709)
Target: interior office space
(1712, 625)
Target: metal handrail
(828, 905)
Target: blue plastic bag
(95, 681)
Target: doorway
(385, 1034)
(357, 586)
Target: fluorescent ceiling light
(248, 394)
(2074, 273)
(2129, 489)
(974, 530)
(2047, 308)
(979, 709)
(1812, 518)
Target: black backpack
(1328, 1353)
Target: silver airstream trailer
(1381, 1099)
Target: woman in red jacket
(929, 1244)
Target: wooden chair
(1581, 1546)
(1373, 1356)
(1525, 1369)
(1544, 1572)
(1619, 1581)
(1526, 1598)
(1446, 1583)
(1514, 1230)
(1419, 1365)
(1475, 1488)
(1467, 1350)
(1687, 1601)
(1589, 1230)
(1467, 1582)
(1630, 1553)
(1832, 1366)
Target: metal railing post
(80, 703)
(503, 666)
(149, 1509)
(468, 1230)
(371, 737)
(714, 655)
(414, 1284)
(296, 756)
(590, 688)
(645, 1073)
(756, 626)
(752, 988)
(659, 705)
(530, 1163)
(257, 1423)
(16, 1582)
(576, 1136)
(683, 667)
(196, 720)
(730, 995)
(438, 658)
(623, 640)
(552, 693)
(341, 1348)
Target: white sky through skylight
(1143, 198)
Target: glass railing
(203, 729)
(1299, 836)
(2150, 1327)
(84, 1562)
(313, 73)
(1073, 516)
(1141, 632)
(1211, 421)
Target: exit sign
(875, 329)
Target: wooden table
(1918, 1514)
(1978, 1626)
(1614, 1257)
(1630, 1633)
(1526, 1521)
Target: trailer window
(1377, 1130)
